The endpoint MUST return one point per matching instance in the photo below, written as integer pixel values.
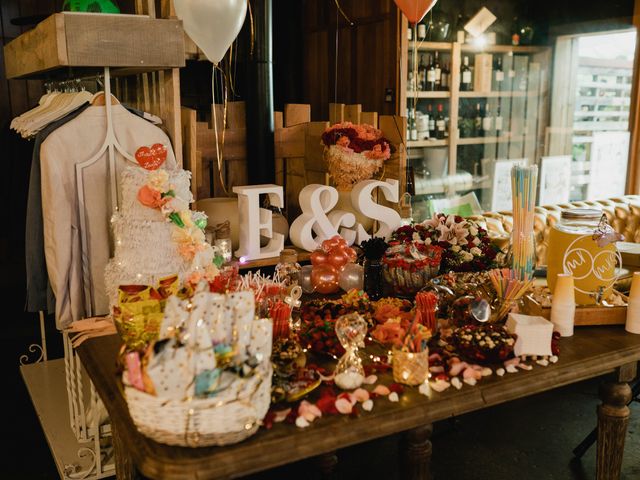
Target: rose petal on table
(456, 368)
(455, 381)
(470, 381)
(525, 366)
(512, 361)
(512, 368)
(543, 362)
(371, 379)
(486, 372)
(367, 405)
(500, 372)
(302, 422)
(348, 396)
(381, 390)
(471, 373)
(437, 386)
(344, 406)
(361, 395)
(393, 397)
(434, 357)
(436, 369)
(553, 358)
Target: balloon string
(219, 139)
(335, 70)
(252, 28)
(339, 9)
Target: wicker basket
(410, 368)
(203, 422)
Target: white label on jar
(466, 76)
(499, 76)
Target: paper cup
(563, 305)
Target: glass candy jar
(223, 240)
(582, 244)
(350, 330)
(288, 268)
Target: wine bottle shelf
(481, 140)
(466, 47)
(427, 143)
(493, 94)
(428, 94)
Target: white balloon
(212, 24)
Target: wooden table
(591, 352)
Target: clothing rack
(110, 145)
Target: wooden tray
(585, 316)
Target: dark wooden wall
(367, 55)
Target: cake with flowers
(155, 234)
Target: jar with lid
(576, 248)
(288, 268)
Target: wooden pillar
(326, 464)
(613, 418)
(417, 453)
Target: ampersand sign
(316, 201)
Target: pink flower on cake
(151, 198)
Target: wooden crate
(299, 151)
(585, 316)
(200, 150)
(129, 43)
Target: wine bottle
(438, 72)
(444, 78)
(498, 75)
(487, 121)
(432, 122)
(515, 32)
(498, 122)
(465, 76)
(440, 123)
(431, 75)
(422, 74)
(422, 30)
(411, 189)
(460, 31)
(446, 127)
(477, 124)
(414, 128)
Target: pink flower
(151, 198)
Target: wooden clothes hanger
(99, 100)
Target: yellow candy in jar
(574, 250)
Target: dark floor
(529, 439)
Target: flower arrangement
(354, 153)
(466, 247)
(188, 231)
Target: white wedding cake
(155, 234)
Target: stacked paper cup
(633, 307)
(563, 305)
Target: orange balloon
(324, 279)
(318, 257)
(415, 10)
(338, 258)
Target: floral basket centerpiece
(354, 153)
(466, 247)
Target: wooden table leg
(613, 418)
(417, 453)
(125, 468)
(326, 464)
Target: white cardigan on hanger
(73, 143)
